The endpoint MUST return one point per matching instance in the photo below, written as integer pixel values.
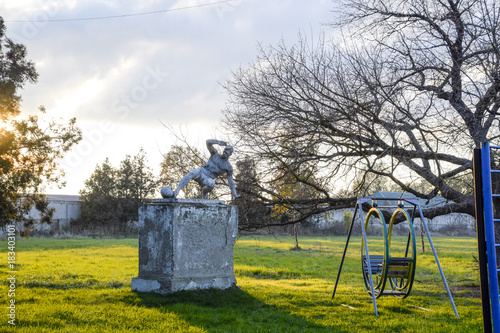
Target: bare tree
(405, 93)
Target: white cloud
(77, 95)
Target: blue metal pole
(481, 241)
(490, 235)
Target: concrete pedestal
(186, 244)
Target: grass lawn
(83, 285)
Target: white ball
(167, 192)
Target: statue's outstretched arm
(232, 186)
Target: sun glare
(5, 126)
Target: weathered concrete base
(185, 245)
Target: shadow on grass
(230, 310)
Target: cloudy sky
(122, 77)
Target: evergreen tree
(111, 197)
(99, 199)
(29, 151)
(252, 214)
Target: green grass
(83, 285)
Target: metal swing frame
(400, 202)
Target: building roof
(63, 197)
(434, 202)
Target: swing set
(390, 271)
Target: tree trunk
(296, 233)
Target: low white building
(67, 208)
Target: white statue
(217, 165)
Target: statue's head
(227, 151)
